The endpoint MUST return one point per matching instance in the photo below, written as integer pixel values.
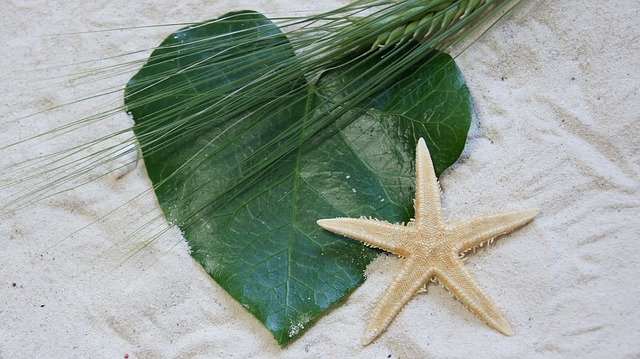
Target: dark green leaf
(256, 235)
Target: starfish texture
(432, 250)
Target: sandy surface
(556, 88)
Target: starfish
(432, 250)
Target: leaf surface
(255, 232)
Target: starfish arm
(427, 203)
(459, 282)
(470, 234)
(410, 280)
(374, 233)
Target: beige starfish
(431, 249)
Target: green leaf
(255, 232)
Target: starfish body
(431, 249)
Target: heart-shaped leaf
(255, 233)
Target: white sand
(556, 90)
